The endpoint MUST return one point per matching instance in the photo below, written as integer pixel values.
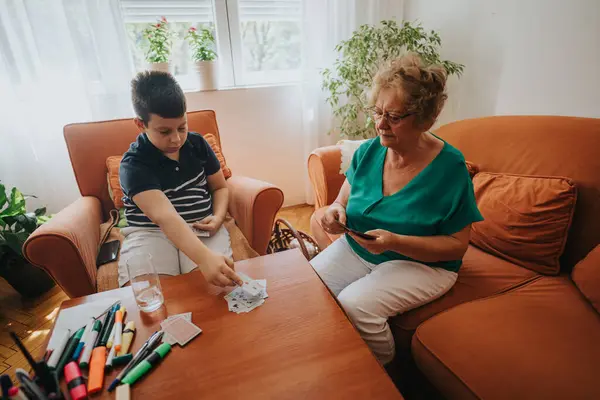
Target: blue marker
(84, 339)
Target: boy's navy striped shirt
(144, 167)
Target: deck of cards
(247, 297)
(179, 329)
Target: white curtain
(60, 62)
(326, 23)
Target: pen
(107, 328)
(43, 374)
(58, 350)
(29, 387)
(84, 339)
(109, 359)
(146, 365)
(140, 355)
(68, 353)
(87, 350)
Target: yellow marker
(127, 338)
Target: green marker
(69, 350)
(84, 362)
(122, 360)
(144, 366)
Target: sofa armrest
(66, 246)
(324, 173)
(253, 204)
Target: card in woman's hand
(357, 233)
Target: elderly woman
(412, 192)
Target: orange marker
(96, 375)
(118, 330)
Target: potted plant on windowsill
(202, 43)
(351, 75)
(16, 224)
(160, 41)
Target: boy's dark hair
(156, 92)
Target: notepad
(76, 317)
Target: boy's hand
(218, 270)
(210, 224)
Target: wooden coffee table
(298, 344)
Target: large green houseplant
(348, 81)
(16, 224)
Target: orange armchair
(66, 246)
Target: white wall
(521, 56)
(261, 134)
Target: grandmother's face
(395, 126)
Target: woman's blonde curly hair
(421, 87)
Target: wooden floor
(32, 319)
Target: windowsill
(245, 87)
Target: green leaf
(3, 197)
(40, 211)
(15, 241)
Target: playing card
(247, 297)
(167, 338)
(181, 330)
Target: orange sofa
(66, 246)
(503, 331)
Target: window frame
(232, 74)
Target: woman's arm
(421, 248)
(337, 211)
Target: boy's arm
(220, 198)
(216, 268)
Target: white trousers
(370, 294)
(167, 259)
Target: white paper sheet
(75, 317)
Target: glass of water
(144, 282)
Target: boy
(174, 189)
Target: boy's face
(166, 134)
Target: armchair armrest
(253, 204)
(324, 173)
(66, 246)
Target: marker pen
(127, 338)
(109, 359)
(75, 382)
(118, 330)
(87, 350)
(140, 355)
(14, 393)
(96, 374)
(58, 350)
(68, 353)
(84, 338)
(146, 365)
(108, 325)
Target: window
(258, 41)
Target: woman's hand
(336, 212)
(383, 241)
(210, 224)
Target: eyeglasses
(390, 118)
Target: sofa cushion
(212, 141)
(113, 164)
(526, 218)
(586, 276)
(114, 185)
(481, 275)
(537, 342)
